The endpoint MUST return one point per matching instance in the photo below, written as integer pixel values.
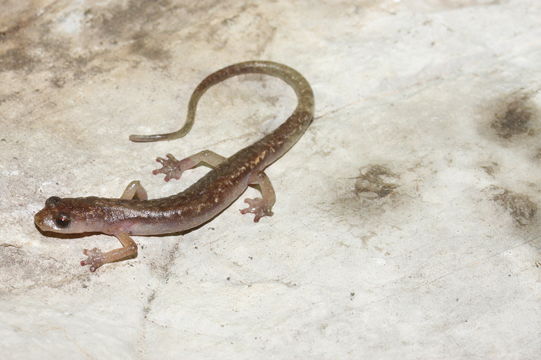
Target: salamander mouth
(41, 219)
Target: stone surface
(406, 224)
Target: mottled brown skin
(133, 214)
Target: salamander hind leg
(96, 258)
(173, 168)
(261, 207)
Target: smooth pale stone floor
(406, 224)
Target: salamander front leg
(134, 190)
(97, 258)
(261, 206)
(173, 168)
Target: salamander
(134, 214)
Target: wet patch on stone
(375, 181)
(515, 115)
(521, 208)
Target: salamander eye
(62, 221)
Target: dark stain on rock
(4, 34)
(515, 117)
(140, 28)
(519, 206)
(9, 97)
(375, 181)
(149, 301)
(22, 22)
(119, 21)
(537, 154)
(490, 168)
(36, 49)
(148, 48)
(58, 81)
(39, 48)
(16, 59)
(134, 23)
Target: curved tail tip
(141, 138)
(135, 138)
(158, 137)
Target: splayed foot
(172, 168)
(258, 207)
(95, 258)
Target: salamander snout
(51, 217)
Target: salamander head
(69, 216)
